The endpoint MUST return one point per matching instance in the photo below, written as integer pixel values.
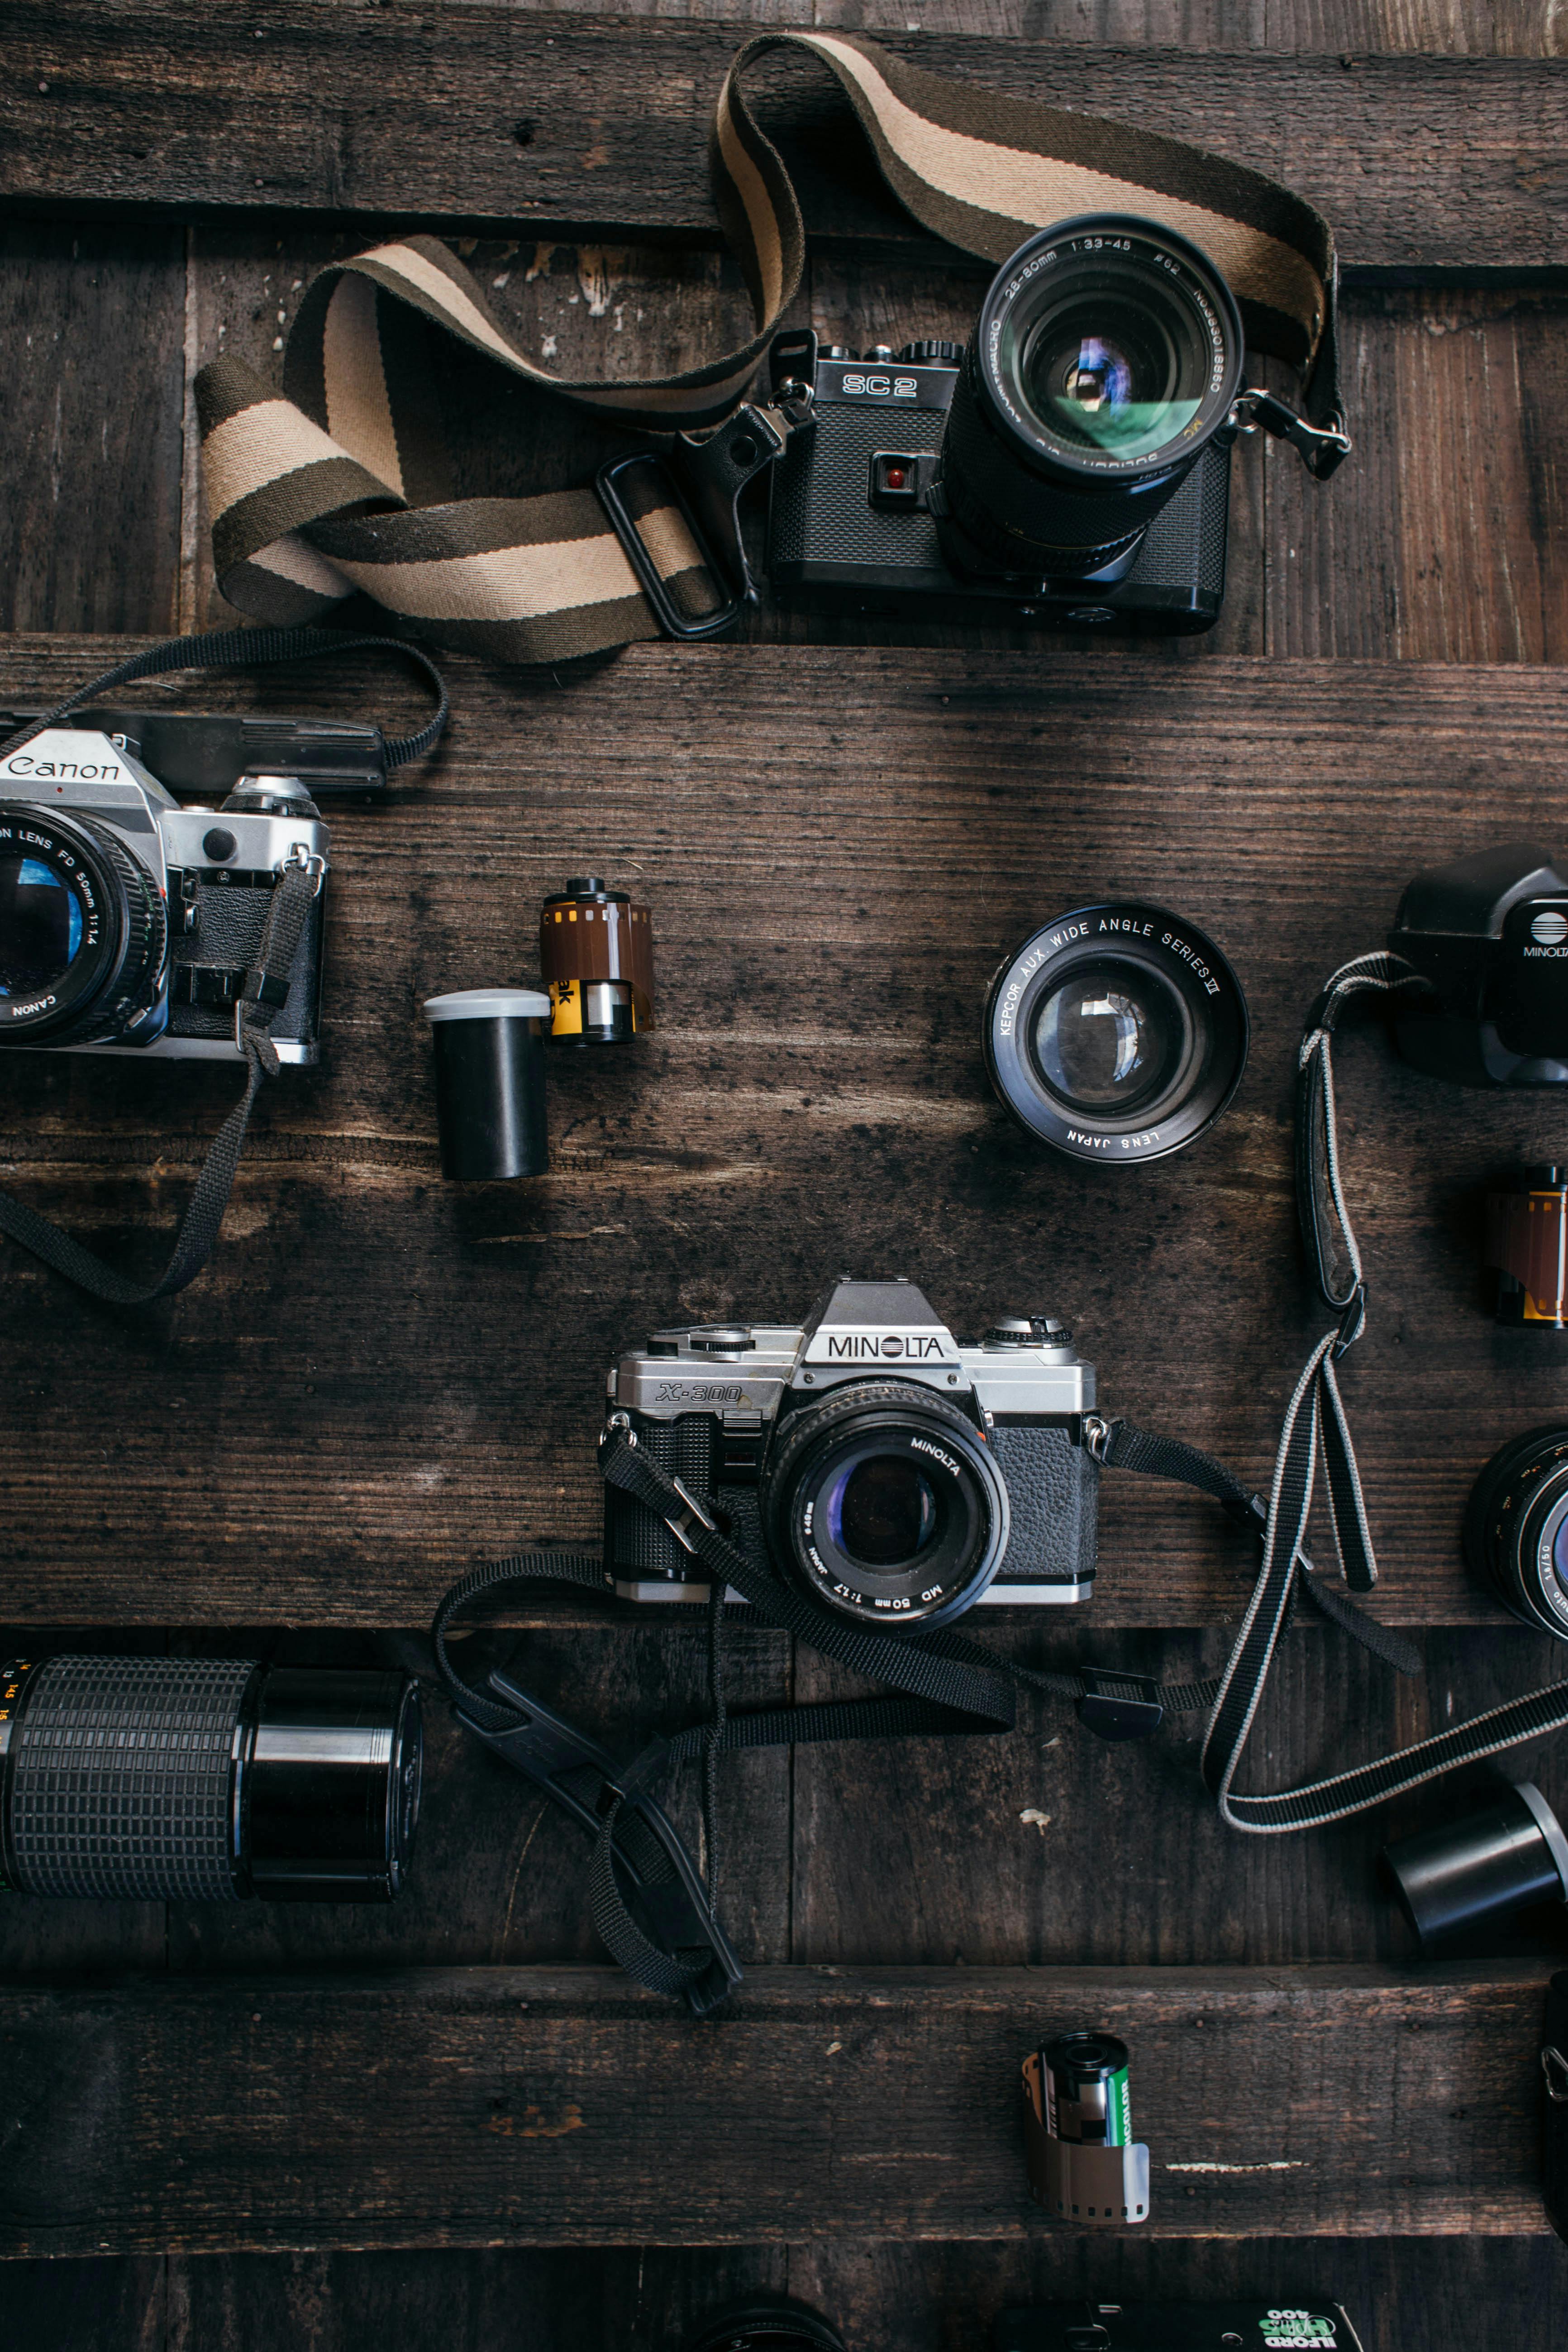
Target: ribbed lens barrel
(206, 1781)
(1109, 354)
(120, 1778)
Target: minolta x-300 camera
(892, 1474)
(1070, 464)
(129, 923)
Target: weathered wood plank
(479, 116)
(1444, 2295)
(92, 326)
(381, 1377)
(527, 2106)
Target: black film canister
(490, 1082)
(1507, 1850)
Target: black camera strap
(942, 1681)
(264, 986)
(341, 481)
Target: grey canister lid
(489, 1004)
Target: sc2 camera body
(128, 923)
(893, 1476)
(1070, 465)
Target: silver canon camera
(127, 922)
(895, 1476)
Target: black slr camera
(893, 1476)
(127, 922)
(1070, 465)
(1178, 2327)
(1489, 933)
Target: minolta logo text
(874, 1346)
(1549, 932)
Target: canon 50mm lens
(206, 1780)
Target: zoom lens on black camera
(1516, 1528)
(892, 1476)
(206, 1780)
(129, 923)
(1070, 464)
(1116, 1033)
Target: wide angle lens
(883, 1501)
(1116, 1033)
(1109, 353)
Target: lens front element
(1109, 1037)
(884, 1501)
(40, 925)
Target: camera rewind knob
(1028, 1331)
(933, 349)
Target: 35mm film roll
(596, 957)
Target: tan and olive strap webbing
(340, 482)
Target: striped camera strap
(341, 483)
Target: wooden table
(277, 2125)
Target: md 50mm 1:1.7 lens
(1116, 1033)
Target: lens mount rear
(83, 929)
(1116, 1033)
(883, 1501)
(1516, 1528)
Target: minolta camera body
(1490, 935)
(858, 499)
(128, 922)
(893, 1476)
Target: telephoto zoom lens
(206, 1780)
(1109, 354)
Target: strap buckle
(704, 478)
(1098, 1437)
(1119, 1706)
(307, 861)
(1321, 448)
(681, 1523)
(1353, 1322)
(1554, 2066)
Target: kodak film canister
(596, 957)
(490, 1082)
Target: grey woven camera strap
(288, 911)
(340, 480)
(1316, 1433)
